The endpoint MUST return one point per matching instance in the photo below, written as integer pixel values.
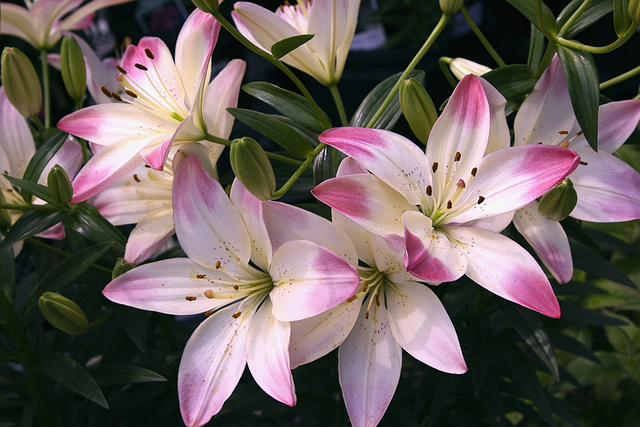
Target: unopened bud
(417, 108)
(20, 82)
(74, 74)
(59, 185)
(208, 6)
(634, 11)
(460, 67)
(252, 167)
(559, 202)
(449, 7)
(5, 218)
(63, 313)
(120, 268)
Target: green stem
(620, 78)
(546, 60)
(599, 50)
(338, 100)
(45, 88)
(217, 140)
(102, 320)
(27, 359)
(284, 159)
(36, 121)
(423, 50)
(444, 63)
(481, 36)
(28, 207)
(255, 49)
(287, 185)
(572, 20)
(38, 243)
(83, 143)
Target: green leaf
(588, 372)
(597, 10)
(28, 412)
(275, 130)
(41, 157)
(584, 90)
(584, 258)
(7, 272)
(135, 324)
(536, 48)
(325, 166)
(528, 9)
(374, 100)
(30, 224)
(512, 81)
(480, 352)
(564, 342)
(123, 374)
(87, 221)
(575, 313)
(281, 48)
(34, 188)
(72, 375)
(289, 104)
(531, 329)
(492, 403)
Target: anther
(106, 92)
(141, 67)
(449, 204)
(198, 276)
(579, 133)
(236, 287)
(149, 54)
(377, 301)
(365, 287)
(583, 163)
(208, 293)
(434, 168)
(457, 157)
(122, 70)
(131, 94)
(116, 96)
(217, 265)
(461, 183)
(480, 199)
(539, 143)
(190, 298)
(352, 299)
(136, 179)
(563, 132)
(474, 171)
(366, 315)
(236, 315)
(429, 190)
(565, 144)
(208, 313)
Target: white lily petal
(499, 136)
(152, 231)
(16, 140)
(221, 94)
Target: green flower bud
(74, 74)
(208, 6)
(417, 108)
(634, 11)
(252, 167)
(20, 82)
(120, 268)
(460, 67)
(559, 202)
(59, 185)
(5, 218)
(449, 7)
(63, 313)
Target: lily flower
(143, 196)
(608, 189)
(332, 21)
(166, 103)
(250, 288)
(432, 199)
(391, 312)
(42, 21)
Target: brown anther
(217, 265)
(456, 158)
(461, 183)
(434, 168)
(236, 287)
(190, 298)
(579, 133)
(564, 144)
(236, 315)
(474, 171)
(480, 199)
(208, 293)
(149, 54)
(539, 143)
(141, 67)
(201, 276)
(106, 92)
(366, 315)
(365, 287)
(449, 204)
(287, 3)
(116, 96)
(563, 132)
(208, 313)
(147, 166)
(583, 163)
(135, 177)
(429, 190)
(351, 299)
(122, 70)
(377, 301)
(131, 94)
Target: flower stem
(423, 50)
(38, 243)
(599, 50)
(83, 143)
(572, 20)
(338, 100)
(481, 36)
(444, 67)
(45, 88)
(309, 160)
(273, 156)
(546, 60)
(28, 207)
(620, 78)
(217, 140)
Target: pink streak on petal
(419, 261)
(158, 155)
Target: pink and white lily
(608, 189)
(250, 306)
(332, 21)
(42, 22)
(432, 199)
(391, 312)
(166, 103)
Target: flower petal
(616, 122)
(211, 366)
(222, 93)
(499, 136)
(503, 267)
(17, 21)
(71, 21)
(369, 363)
(309, 279)
(268, 354)
(151, 232)
(548, 239)
(16, 140)
(422, 327)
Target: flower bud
(634, 11)
(417, 108)
(74, 74)
(120, 268)
(449, 7)
(59, 185)
(460, 67)
(559, 202)
(5, 218)
(20, 82)
(252, 167)
(63, 313)
(208, 6)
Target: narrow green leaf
(30, 224)
(575, 313)
(280, 133)
(87, 221)
(135, 324)
(621, 19)
(325, 166)
(28, 412)
(480, 352)
(576, 288)
(567, 12)
(584, 258)
(597, 10)
(374, 100)
(530, 328)
(528, 9)
(536, 48)
(34, 188)
(7, 272)
(564, 342)
(123, 374)
(492, 403)
(512, 81)
(72, 375)
(289, 104)
(563, 409)
(281, 48)
(584, 90)
(41, 157)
